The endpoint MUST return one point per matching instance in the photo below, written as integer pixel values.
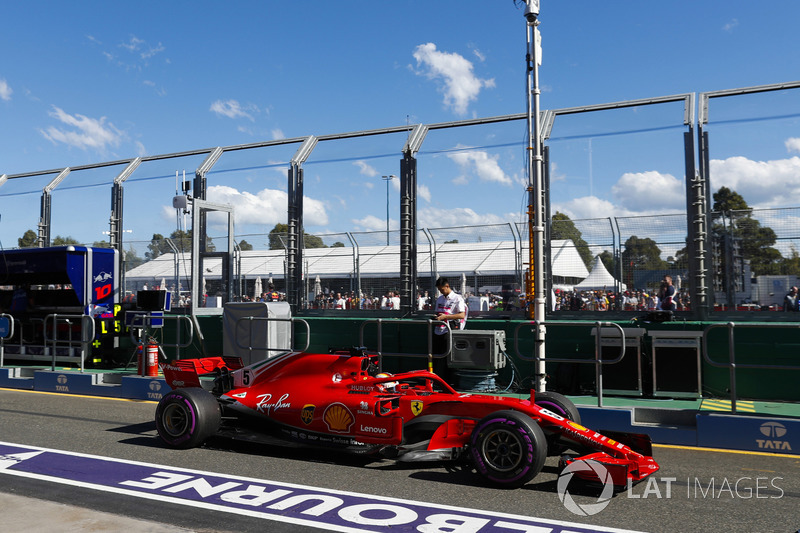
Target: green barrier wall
(760, 345)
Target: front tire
(185, 418)
(508, 448)
(562, 406)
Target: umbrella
(317, 286)
(163, 285)
(258, 289)
(463, 283)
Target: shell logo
(577, 426)
(338, 418)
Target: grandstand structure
(364, 269)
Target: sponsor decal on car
(364, 408)
(416, 407)
(307, 413)
(267, 406)
(338, 418)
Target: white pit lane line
(329, 509)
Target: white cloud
(365, 169)
(480, 55)
(424, 192)
(761, 183)
(482, 164)
(151, 51)
(730, 26)
(588, 207)
(85, 133)
(5, 90)
(373, 223)
(233, 109)
(141, 151)
(277, 134)
(455, 73)
(266, 207)
(435, 217)
(133, 45)
(793, 144)
(644, 191)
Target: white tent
(599, 279)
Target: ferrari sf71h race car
(341, 400)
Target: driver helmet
(387, 386)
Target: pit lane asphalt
(125, 430)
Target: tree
(181, 239)
(245, 246)
(28, 239)
(156, 247)
(337, 244)
(640, 254)
(727, 200)
(280, 231)
(312, 241)
(132, 259)
(101, 244)
(64, 241)
(756, 240)
(562, 228)
(791, 265)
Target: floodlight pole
(387, 179)
(535, 290)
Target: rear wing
(186, 373)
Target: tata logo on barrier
(774, 431)
(155, 387)
(61, 381)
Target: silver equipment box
(478, 350)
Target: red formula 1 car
(341, 400)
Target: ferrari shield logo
(416, 407)
(307, 414)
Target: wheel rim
(175, 420)
(503, 450)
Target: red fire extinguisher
(148, 361)
(151, 361)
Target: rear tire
(185, 418)
(562, 406)
(508, 448)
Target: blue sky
(88, 81)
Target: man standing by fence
(790, 300)
(450, 308)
